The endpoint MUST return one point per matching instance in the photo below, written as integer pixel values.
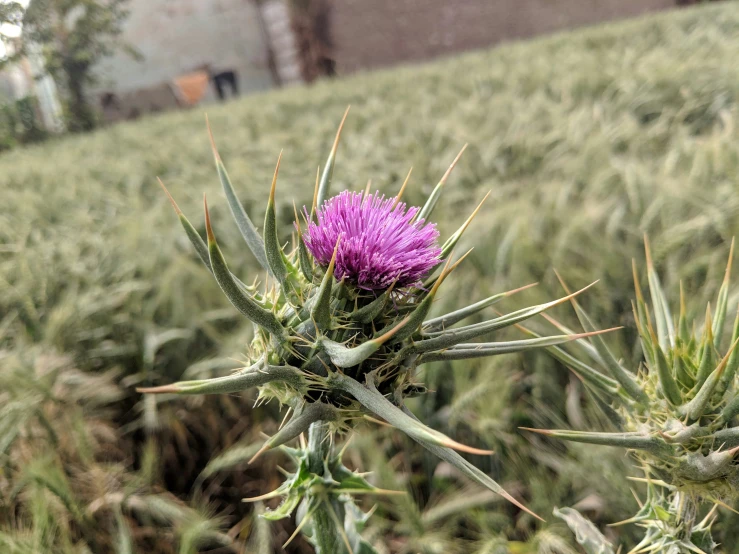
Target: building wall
(177, 36)
(368, 34)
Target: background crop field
(587, 141)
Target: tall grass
(587, 141)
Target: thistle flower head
(334, 336)
(379, 242)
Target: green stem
(326, 537)
(687, 513)
(319, 446)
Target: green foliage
(30, 129)
(19, 123)
(586, 139)
(11, 13)
(587, 534)
(63, 475)
(73, 36)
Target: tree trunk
(311, 24)
(80, 115)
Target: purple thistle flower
(380, 242)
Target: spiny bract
(667, 517)
(676, 412)
(346, 326)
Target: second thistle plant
(677, 413)
(341, 333)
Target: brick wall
(374, 33)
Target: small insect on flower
(380, 241)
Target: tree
(72, 36)
(11, 18)
(11, 13)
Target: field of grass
(587, 141)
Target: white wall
(175, 36)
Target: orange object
(191, 87)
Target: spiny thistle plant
(340, 333)
(676, 413)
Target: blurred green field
(587, 141)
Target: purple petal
(379, 243)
